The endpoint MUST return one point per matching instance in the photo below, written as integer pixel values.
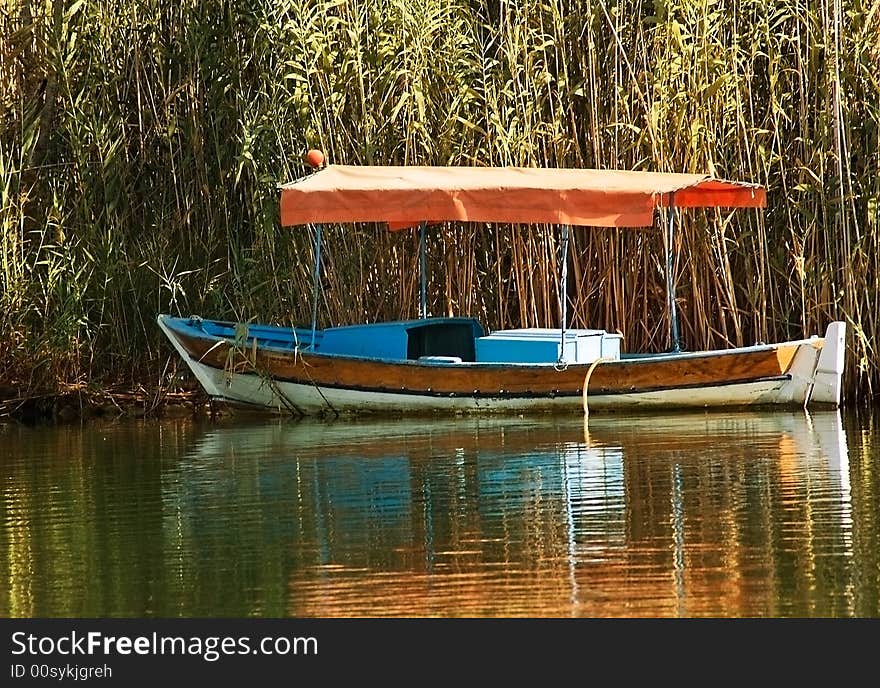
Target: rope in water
(587, 382)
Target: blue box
(543, 345)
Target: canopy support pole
(563, 292)
(423, 270)
(674, 337)
(316, 283)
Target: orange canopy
(405, 196)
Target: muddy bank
(78, 405)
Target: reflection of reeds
(141, 144)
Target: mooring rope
(305, 367)
(282, 397)
(587, 382)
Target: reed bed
(141, 142)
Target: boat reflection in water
(689, 514)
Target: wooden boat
(452, 364)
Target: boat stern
(828, 376)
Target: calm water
(689, 515)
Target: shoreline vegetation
(63, 406)
(141, 144)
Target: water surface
(747, 514)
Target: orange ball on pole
(315, 158)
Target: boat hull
(290, 381)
